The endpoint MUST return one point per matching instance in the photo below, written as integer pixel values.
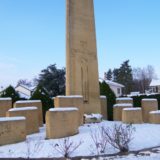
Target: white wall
(23, 90)
(115, 90)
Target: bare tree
(66, 147)
(25, 82)
(142, 78)
(119, 136)
(99, 140)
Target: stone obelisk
(81, 54)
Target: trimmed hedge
(111, 98)
(41, 94)
(137, 99)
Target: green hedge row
(137, 99)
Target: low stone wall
(92, 118)
(124, 100)
(31, 115)
(117, 110)
(103, 101)
(27, 103)
(61, 122)
(12, 130)
(148, 105)
(5, 105)
(154, 117)
(72, 101)
(132, 115)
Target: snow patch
(124, 98)
(6, 119)
(103, 97)
(123, 105)
(71, 96)
(60, 109)
(132, 109)
(28, 101)
(149, 99)
(92, 116)
(23, 108)
(155, 112)
(6, 99)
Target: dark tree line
(134, 79)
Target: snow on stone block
(31, 115)
(61, 123)
(132, 109)
(5, 105)
(7, 119)
(6, 99)
(124, 100)
(132, 115)
(117, 110)
(103, 101)
(63, 109)
(23, 108)
(27, 103)
(71, 96)
(149, 99)
(12, 130)
(123, 105)
(73, 101)
(92, 118)
(154, 117)
(148, 105)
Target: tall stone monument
(81, 57)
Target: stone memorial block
(154, 117)
(124, 100)
(12, 130)
(117, 110)
(72, 101)
(36, 103)
(31, 115)
(132, 115)
(61, 122)
(5, 105)
(148, 105)
(103, 100)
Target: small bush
(66, 147)
(119, 136)
(111, 98)
(99, 140)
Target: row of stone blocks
(6, 104)
(124, 111)
(19, 121)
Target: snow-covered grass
(36, 146)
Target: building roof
(26, 87)
(155, 82)
(111, 83)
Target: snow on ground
(36, 146)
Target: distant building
(116, 87)
(24, 91)
(155, 86)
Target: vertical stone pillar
(81, 54)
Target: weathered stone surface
(61, 122)
(5, 105)
(27, 103)
(31, 115)
(81, 57)
(124, 100)
(154, 117)
(117, 110)
(132, 115)
(12, 130)
(103, 100)
(148, 105)
(72, 101)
